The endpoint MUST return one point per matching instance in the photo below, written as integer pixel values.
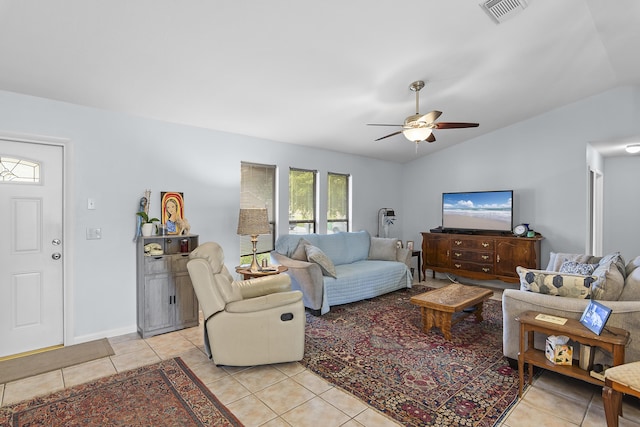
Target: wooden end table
(438, 306)
(611, 339)
(248, 274)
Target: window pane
(19, 170)
(337, 203)
(258, 190)
(302, 197)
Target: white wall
(622, 206)
(116, 157)
(544, 160)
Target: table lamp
(252, 222)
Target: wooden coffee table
(438, 306)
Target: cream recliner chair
(247, 322)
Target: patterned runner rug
(164, 394)
(376, 350)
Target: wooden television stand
(480, 256)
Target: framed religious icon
(172, 211)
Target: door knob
(56, 255)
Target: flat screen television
(478, 211)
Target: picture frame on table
(595, 316)
(399, 244)
(410, 245)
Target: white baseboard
(104, 334)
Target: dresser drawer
(472, 266)
(462, 243)
(180, 263)
(474, 256)
(157, 264)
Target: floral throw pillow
(575, 267)
(554, 283)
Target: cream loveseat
(611, 282)
(340, 268)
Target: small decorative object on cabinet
(480, 256)
(166, 299)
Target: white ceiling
(315, 73)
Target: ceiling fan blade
(391, 134)
(430, 117)
(431, 138)
(454, 125)
(380, 124)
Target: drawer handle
(485, 244)
(498, 259)
(457, 242)
(485, 257)
(458, 265)
(458, 254)
(485, 269)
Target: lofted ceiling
(315, 73)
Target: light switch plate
(94, 233)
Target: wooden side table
(248, 274)
(612, 340)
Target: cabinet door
(436, 250)
(512, 253)
(158, 294)
(186, 302)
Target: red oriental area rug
(164, 394)
(376, 350)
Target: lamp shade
(252, 222)
(417, 134)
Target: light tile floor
(290, 395)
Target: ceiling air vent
(501, 10)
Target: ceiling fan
(419, 127)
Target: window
(18, 170)
(258, 190)
(302, 201)
(337, 202)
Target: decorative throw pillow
(631, 290)
(575, 267)
(314, 254)
(299, 252)
(553, 283)
(383, 249)
(610, 275)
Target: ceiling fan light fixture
(632, 148)
(417, 134)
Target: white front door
(31, 249)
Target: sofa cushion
(316, 255)
(631, 290)
(383, 249)
(610, 278)
(358, 243)
(554, 283)
(556, 260)
(300, 253)
(575, 267)
(632, 265)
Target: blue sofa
(340, 268)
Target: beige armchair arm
(265, 285)
(265, 302)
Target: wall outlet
(94, 233)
